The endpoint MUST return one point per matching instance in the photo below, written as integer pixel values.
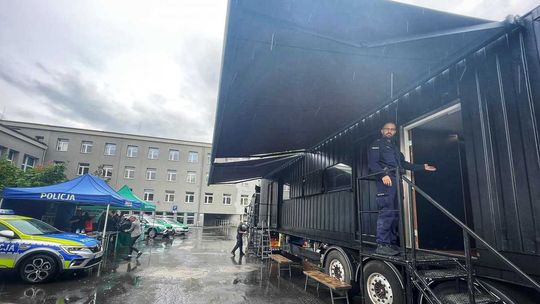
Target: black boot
(384, 249)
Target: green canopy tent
(126, 192)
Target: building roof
(20, 124)
(21, 136)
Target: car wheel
(38, 268)
(382, 284)
(152, 233)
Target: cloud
(81, 103)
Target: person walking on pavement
(135, 230)
(240, 231)
(383, 156)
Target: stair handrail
(470, 232)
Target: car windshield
(33, 227)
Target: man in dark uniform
(383, 156)
(240, 231)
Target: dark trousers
(132, 244)
(388, 220)
(239, 245)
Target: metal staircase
(422, 272)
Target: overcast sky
(143, 67)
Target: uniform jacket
(384, 155)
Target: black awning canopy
(231, 172)
(294, 72)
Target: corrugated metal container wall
(501, 103)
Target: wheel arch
(57, 258)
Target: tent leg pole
(105, 242)
(1, 201)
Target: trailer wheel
(382, 284)
(337, 266)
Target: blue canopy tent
(84, 190)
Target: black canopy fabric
(294, 72)
(238, 171)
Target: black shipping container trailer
(472, 111)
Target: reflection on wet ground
(197, 268)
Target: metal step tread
(463, 298)
(442, 274)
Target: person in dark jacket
(112, 222)
(383, 156)
(240, 231)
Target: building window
(83, 168)
(171, 175)
(190, 197)
(190, 219)
(151, 174)
(132, 151)
(107, 171)
(12, 156)
(227, 199)
(193, 157)
(153, 153)
(244, 200)
(62, 144)
(174, 155)
(169, 196)
(148, 195)
(208, 198)
(86, 147)
(180, 217)
(28, 162)
(59, 162)
(129, 173)
(110, 149)
(191, 177)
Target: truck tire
(382, 284)
(337, 266)
(38, 268)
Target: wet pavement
(197, 268)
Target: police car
(39, 252)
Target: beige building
(170, 173)
(23, 151)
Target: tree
(9, 174)
(49, 174)
(101, 173)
